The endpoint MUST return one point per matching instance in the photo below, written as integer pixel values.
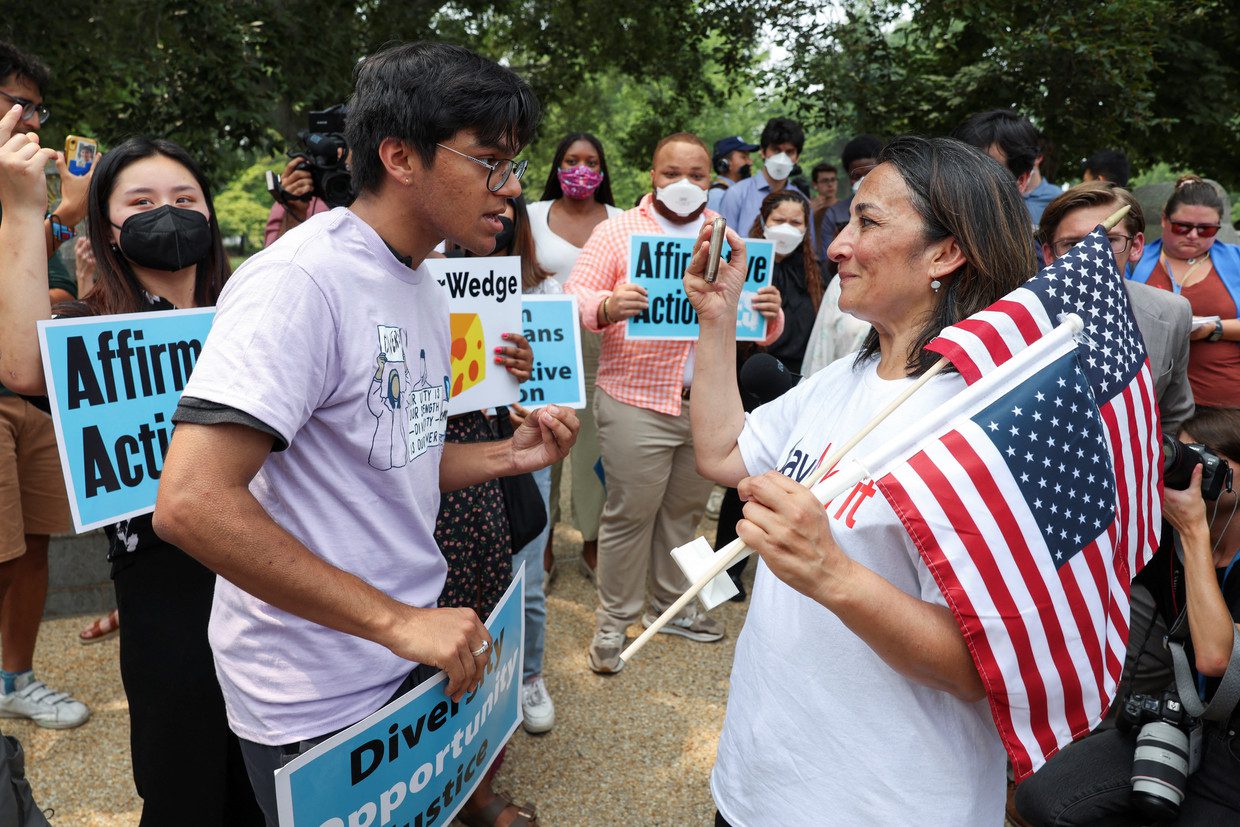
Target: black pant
(187, 764)
(1089, 783)
(731, 512)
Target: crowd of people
(283, 604)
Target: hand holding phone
(80, 154)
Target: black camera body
(1179, 460)
(1139, 710)
(1168, 751)
(326, 156)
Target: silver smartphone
(717, 228)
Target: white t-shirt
(555, 254)
(819, 729)
(296, 344)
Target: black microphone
(764, 378)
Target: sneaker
(714, 503)
(692, 624)
(537, 706)
(35, 700)
(605, 652)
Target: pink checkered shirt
(645, 373)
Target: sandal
(101, 629)
(488, 816)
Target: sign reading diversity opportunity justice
(550, 325)
(658, 262)
(114, 383)
(484, 298)
(415, 761)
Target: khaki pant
(587, 490)
(32, 489)
(655, 499)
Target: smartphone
(80, 153)
(717, 228)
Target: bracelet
(60, 232)
(606, 315)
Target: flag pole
(737, 549)
(1116, 217)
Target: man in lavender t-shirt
(309, 455)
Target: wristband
(60, 232)
(606, 315)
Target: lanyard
(1201, 679)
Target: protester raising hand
(718, 300)
(23, 187)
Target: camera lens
(1178, 463)
(1159, 770)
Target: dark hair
(1216, 428)
(117, 289)
(680, 138)
(862, 146)
(819, 169)
(522, 245)
(813, 278)
(1110, 164)
(782, 131)
(1010, 131)
(16, 62)
(960, 192)
(423, 94)
(1194, 191)
(553, 190)
(1090, 194)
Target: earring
(406, 182)
(935, 285)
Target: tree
(1090, 75)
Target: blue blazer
(1225, 257)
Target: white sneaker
(714, 503)
(537, 706)
(41, 704)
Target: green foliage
(242, 207)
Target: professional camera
(1179, 460)
(1168, 751)
(325, 156)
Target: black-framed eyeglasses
(497, 172)
(29, 108)
(1119, 243)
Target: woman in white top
(576, 199)
(854, 699)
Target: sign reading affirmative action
(484, 298)
(658, 262)
(415, 761)
(550, 325)
(114, 383)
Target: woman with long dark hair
(157, 246)
(576, 199)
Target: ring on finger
(481, 650)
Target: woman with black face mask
(157, 246)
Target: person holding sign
(849, 646)
(157, 246)
(655, 496)
(326, 605)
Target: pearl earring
(935, 285)
(406, 181)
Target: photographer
(290, 210)
(315, 179)
(1091, 781)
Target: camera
(1168, 751)
(1179, 460)
(325, 154)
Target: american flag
(1034, 513)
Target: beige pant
(655, 499)
(587, 491)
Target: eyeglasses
(501, 169)
(29, 108)
(1119, 243)
(1203, 230)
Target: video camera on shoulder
(325, 154)
(1179, 460)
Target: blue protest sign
(658, 262)
(113, 383)
(550, 325)
(416, 760)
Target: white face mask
(856, 187)
(681, 197)
(785, 236)
(778, 167)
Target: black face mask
(166, 238)
(503, 239)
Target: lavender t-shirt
(332, 342)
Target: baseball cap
(733, 144)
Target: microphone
(764, 378)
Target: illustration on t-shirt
(410, 418)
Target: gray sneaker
(605, 652)
(44, 706)
(692, 624)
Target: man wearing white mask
(655, 496)
(780, 146)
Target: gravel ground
(633, 748)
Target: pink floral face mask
(579, 182)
